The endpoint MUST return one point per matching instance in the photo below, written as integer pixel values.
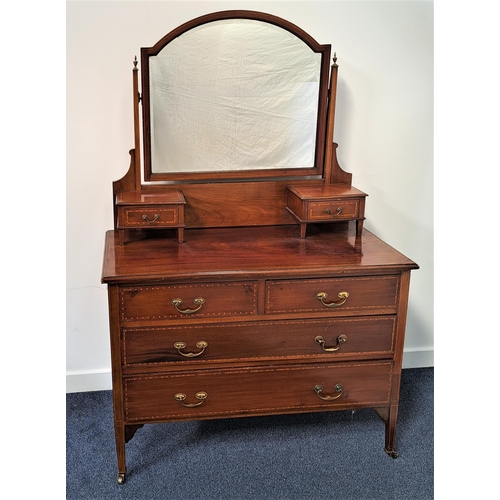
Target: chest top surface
(259, 252)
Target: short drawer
(212, 393)
(333, 339)
(153, 216)
(332, 210)
(338, 296)
(188, 301)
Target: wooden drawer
(150, 216)
(337, 296)
(188, 301)
(332, 210)
(325, 202)
(334, 339)
(257, 391)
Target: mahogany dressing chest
(240, 279)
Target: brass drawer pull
(343, 296)
(338, 211)
(199, 395)
(340, 340)
(178, 302)
(155, 218)
(319, 390)
(200, 345)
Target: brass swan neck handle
(178, 302)
(343, 296)
(340, 340)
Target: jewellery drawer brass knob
(337, 212)
(178, 302)
(340, 340)
(200, 345)
(199, 395)
(319, 391)
(343, 296)
(155, 218)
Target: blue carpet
(314, 456)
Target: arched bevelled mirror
(235, 94)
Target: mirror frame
(311, 172)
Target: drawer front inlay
(148, 217)
(214, 393)
(337, 296)
(188, 301)
(332, 210)
(260, 340)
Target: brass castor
(392, 454)
(121, 477)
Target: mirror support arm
(137, 138)
(332, 94)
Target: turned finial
(335, 59)
(135, 62)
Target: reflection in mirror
(234, 94)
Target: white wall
(384, 128)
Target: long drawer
(186, 301)
(204, 393)
(213, 393)
(338, 296)
(333, 338)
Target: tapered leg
(120, 451)
(118, 414)
(390, 431)
(389, 414)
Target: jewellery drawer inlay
(345, 209)
(147, 217)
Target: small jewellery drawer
(365, 295)
(334, 339)
(212, 393)
(332, 210)
(186, 301)
(150, 216)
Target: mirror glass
(234, 94)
